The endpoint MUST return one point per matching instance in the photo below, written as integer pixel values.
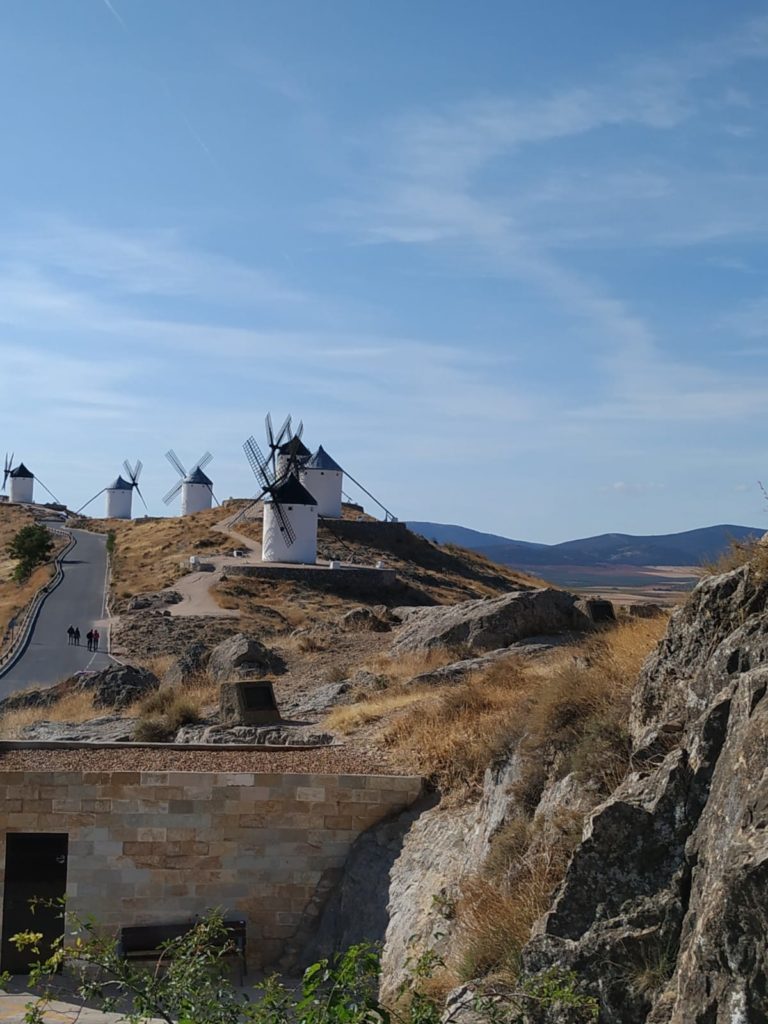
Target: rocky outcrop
(116, 687)
(662, 913)
(275, 735)
(189, 665)
(364, 620)
(98, 730)
(159, 600)
(161, 633)
(489, 624)
(119, 685)
(240, 657)
(457, 671)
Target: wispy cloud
(110, 7)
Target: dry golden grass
(14, 597)
(75, 707)
(348, 718)
(402, 667)
(569, 712)
(148, 552)
(738, 553)
(498, 907)
(458, 730)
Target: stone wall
(148, 847)
(343, 580)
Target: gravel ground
(333, 761)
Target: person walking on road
(71, 634)
(95, 640)
(77, 636)
(89, 638)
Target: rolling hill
(692, 547)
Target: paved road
(80, 600)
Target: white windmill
(289, 532)
(196, 488)
(120, 493)
(22, 482)
(323, 478)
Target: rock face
(275, 735)
(662, 913)
(242, 656)
(191, 663)
(457, 671)
(119, 685)
(487, 625)
(98, 730)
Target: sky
(505, 260)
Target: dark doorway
(35, 867)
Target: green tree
(31, 546)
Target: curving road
(80, 600)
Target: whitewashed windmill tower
(120, 493)
(22, 482)
(289, 532)
(196, 488)
(323, 478)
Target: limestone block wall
(148, 847)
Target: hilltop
(689, 548)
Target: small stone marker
(248, 702)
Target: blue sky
(507, 261)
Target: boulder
(119, 685)
(189, 665)
(240, 657)
(364, 620)
(488, 624)
(645, 611)
(457, 671)
(143, 601)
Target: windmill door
(35, 869)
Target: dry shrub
(497, 909)
(738, 553)
(348, 717)
(163, 713)
(460, 731)
(75, 707)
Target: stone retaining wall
(342, 580)
(147, 847)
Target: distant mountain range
(693, 547)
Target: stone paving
(12, 1006)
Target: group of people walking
(92, 637)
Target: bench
(145, 942)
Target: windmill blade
(215, 498)
(285, 523)
(49, 491)
(268, 427)
(141, 496)
(175, 461)
(257, 462)
(283, 432)
(8, 466)
(90, 500)
(133, 472)
(173, 492)
(203, 461)
(300, 430)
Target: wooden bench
(145, 942)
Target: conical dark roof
(197, 476)
(291, 492)
(21, 470)
(294, 447)
(322, 460)
(120, 485)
